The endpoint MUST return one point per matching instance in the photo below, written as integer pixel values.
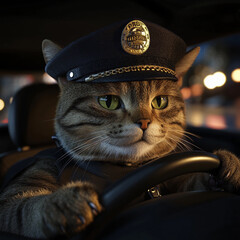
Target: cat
(127, 123)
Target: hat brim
(132, 76)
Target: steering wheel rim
(127, 189)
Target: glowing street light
(2, 104)
(209, 82)
(236, 75)
(218, 79)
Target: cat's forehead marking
(135, 38)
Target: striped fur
(89, 131)
(35, 205)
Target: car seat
(31, 122)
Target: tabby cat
(123, 122)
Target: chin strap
(56, 140)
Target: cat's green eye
(160, 102)
(110, 102)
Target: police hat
(131, 50)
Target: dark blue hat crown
(130, 50)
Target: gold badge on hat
(135, 37)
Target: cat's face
(121, 122)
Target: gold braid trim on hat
(130, 69)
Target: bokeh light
(186, 93)
(2, 104)
(218, 79)
(216, 122)
(236, 75)
(209, 82)
(48, 79)
(197, 90)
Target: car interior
(30, 125)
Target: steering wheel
(127, 189)
(147, 176)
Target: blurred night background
(211, 88)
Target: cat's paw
(70, 209)
(228, 174)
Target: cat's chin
(135, 152)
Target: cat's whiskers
(173, 148)
(67, 153)
(186, 133)
(108, 154)
(89, 145)
(178, 141)
(86, 141)
(185, 137)
(192, 144)
(79, 149)
(74, 151)
(181, 132)
(69, 157)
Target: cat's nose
(144, 123)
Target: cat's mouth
(133, 148)
(127, 141)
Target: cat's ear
(185, 63)
(49, 49)
(62, 82)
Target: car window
(211, 88)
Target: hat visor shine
(131, 76)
